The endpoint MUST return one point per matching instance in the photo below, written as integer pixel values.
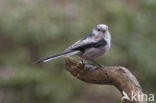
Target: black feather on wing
(100, 43)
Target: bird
(89, 48)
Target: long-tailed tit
(89, 48)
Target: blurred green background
(34, 29)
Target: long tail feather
(69, 53)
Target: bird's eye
(98, 29)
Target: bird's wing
(87, 43)
(85, 40)
(80, 43)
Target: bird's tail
(68, 53)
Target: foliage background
(33, 29)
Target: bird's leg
(86, 66)
(99, 65)
(83, 62)
(90, 67)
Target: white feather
(69, 54)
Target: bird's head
(100, 29)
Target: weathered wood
(118, 76)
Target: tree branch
(118, 76)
